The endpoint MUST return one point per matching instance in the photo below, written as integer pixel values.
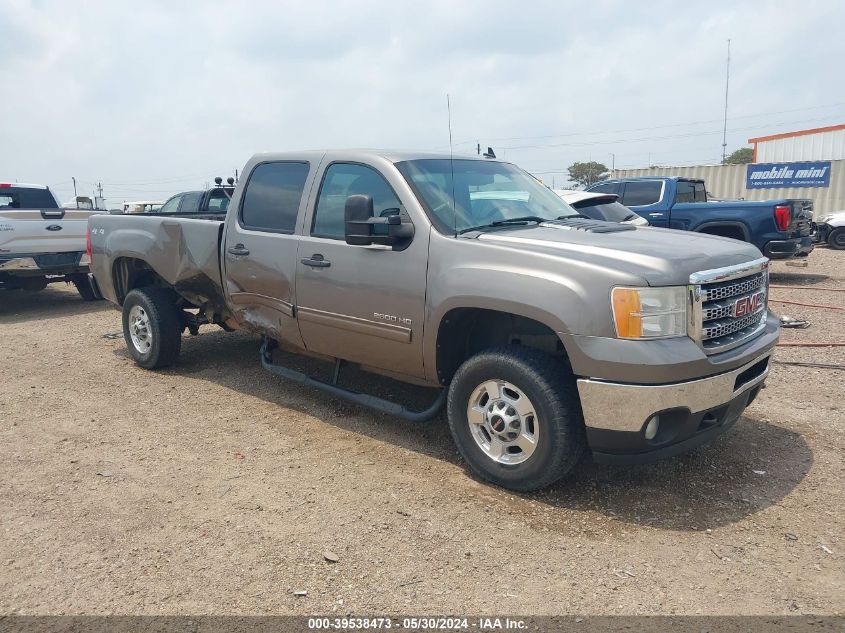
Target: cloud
(153, 98)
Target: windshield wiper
(574, 215)
(519, 221)
(525, 219)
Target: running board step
(373, 402)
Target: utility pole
(73, 178)
(100, 189)
(727, 85)
(478, 148)
(612, 162)
(236, 175)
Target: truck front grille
(729, 305)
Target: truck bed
(183, 252)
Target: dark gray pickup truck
(546, 334)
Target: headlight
(644, 313)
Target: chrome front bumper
(625, 407)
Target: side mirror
(360, 225)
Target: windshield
(485, 193)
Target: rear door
(259, 250)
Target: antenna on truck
(452, 164)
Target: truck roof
(666, 178)
(393, 156)
(22, 185)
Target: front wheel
(836, 239)
(152, 327)
(515, 416)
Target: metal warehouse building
(803, 164)
(821, 143)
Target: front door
(260, 249)
(364, 304)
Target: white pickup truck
(40, 242)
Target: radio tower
(727, 84)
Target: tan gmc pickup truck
(547, 334)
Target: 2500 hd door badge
(392, 319)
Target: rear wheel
(836, 239)
(152, 327)
(515, 416)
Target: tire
(151, 314)
(557, 425)
(33, 284)
(84, 288)
(836, 238)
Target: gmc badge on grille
(749, 305)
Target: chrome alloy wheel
(503, 422)
(139, 329)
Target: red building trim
(817, 130)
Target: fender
(746, 235)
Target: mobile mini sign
(782, 175)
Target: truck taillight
(783, 216)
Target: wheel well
(464, 332)
(725, 230)
(129, 273)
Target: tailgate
(25, 231)
(802, 217)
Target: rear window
(272, 196)
(191, 202)
(218, 201)
(639, 193)
(690, 192)
(26, 198)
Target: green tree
(589, 173)
(740, 157)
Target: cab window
(342, 180)
(172, 205)
(191, 202)
(272, 197)
(605, 187)
(218, 201)
(639, 193)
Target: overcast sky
(152, 98)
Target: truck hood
(660, 257)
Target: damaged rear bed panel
(183, 252)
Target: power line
(658, 138)
(654, 127)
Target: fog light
(651, 427)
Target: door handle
(316, 261)
(238, 249)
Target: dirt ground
(215, 487)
